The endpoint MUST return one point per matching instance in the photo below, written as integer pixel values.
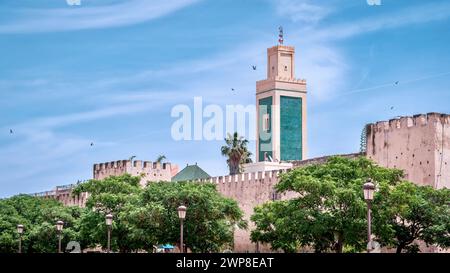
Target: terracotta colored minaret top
(281, 108)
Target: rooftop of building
(191, 172)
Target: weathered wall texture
(253, 189)
(64, 195)
(249, 190)
(149, 171)
(419, 145)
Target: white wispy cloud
(322, 63)
(418, 14)
(64, 120)
(305, 11)
(325, 69)
(42, 147)
(319, 60)
(86, 17)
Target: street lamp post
(109, 219)
(20, 231)
(59, 228)
(369, 189)
(182, 215)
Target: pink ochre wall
(419, 145)
(149, 171)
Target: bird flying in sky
(254, 67)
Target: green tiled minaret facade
(281, 109)
(290, 128)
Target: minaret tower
(281, 108)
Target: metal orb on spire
(280, 35)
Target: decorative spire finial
(280, 35)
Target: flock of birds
(232, 89)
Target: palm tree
(132, 157)
(160, 159)
(237, 152)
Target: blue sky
(110, 71)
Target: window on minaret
(265, 124)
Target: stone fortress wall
(64, 195)
(419, 145)
(254, 189)
(147, 170)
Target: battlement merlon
(127, 164)
(410, 121)
(252, 177)
(261, 176)
(152, 170)
(112, 164)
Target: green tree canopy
(329, 211)
(210, 217)
(405, 213)
(39, 216)
(115, 195)
(144, 217)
